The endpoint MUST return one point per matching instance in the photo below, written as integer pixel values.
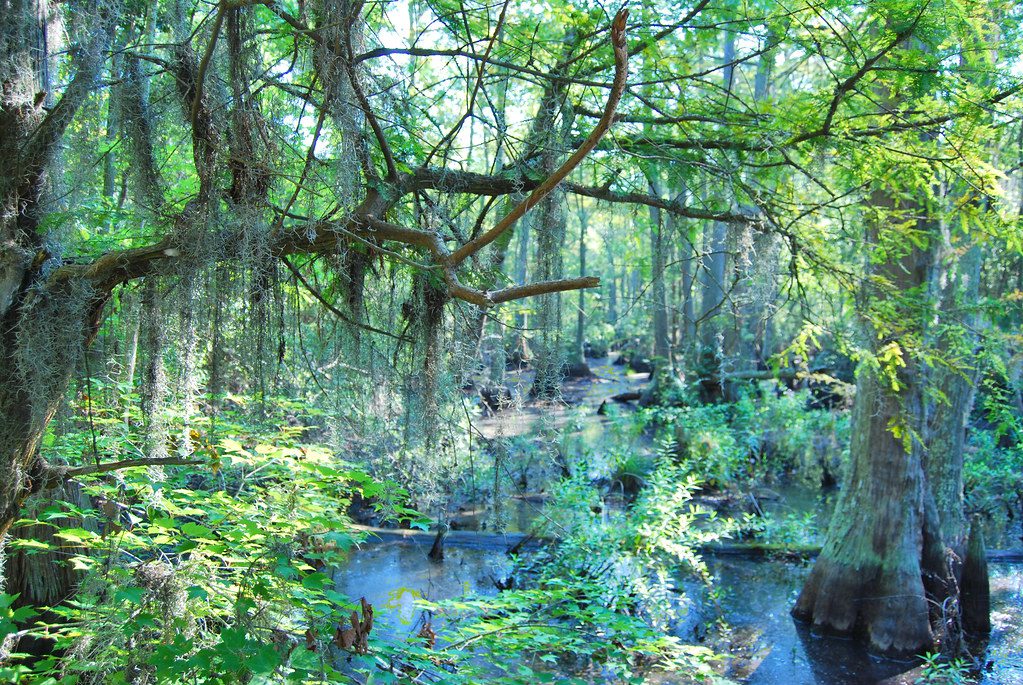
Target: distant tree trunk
(549, 363)
(687, 332)
(113, 131)
(715, 252)
(658, 262)
(521, 351)
(132, 316)
(948, 409)
(712, 298)
(664, 376)
(755, 286)
(577, 366)
(612, 283)
(550, 225)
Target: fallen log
(468, 539)
(504, 541)
(761, 550)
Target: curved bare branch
(544, 189)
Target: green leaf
(133, 595)
(78, 536)
(197, 531)
(197, 592)
(317, 581)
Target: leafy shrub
(222, 581)
(764, 434)
(602, 599)
(938, 670)
(992, 474)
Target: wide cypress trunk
(868, 579)
(892, 564)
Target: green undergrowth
(602, 603)
(214, 572)
(764, 436)
(222, 570)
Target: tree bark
(550, 225)
(32, 381)
(577, 366)
(891, 565)
(868, 579)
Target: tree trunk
(46, 578)
(521, 353)
(868, 579)
(549, 364)
(44, 329)
(550, 225)
(665, 380)
(612, 280)
(715, 247)
(712, 299)
(892, 562)
(687, 334)
(577, 366)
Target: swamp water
(766, 647)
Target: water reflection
(392, 575)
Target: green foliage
(856, 150)
(938, 670)
(992, 474)
(214, 575)
(784, 530)
(601, 600)
(993, 463)
(763, 435)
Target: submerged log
(456, 538)
(519, 541)
(761, 550)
